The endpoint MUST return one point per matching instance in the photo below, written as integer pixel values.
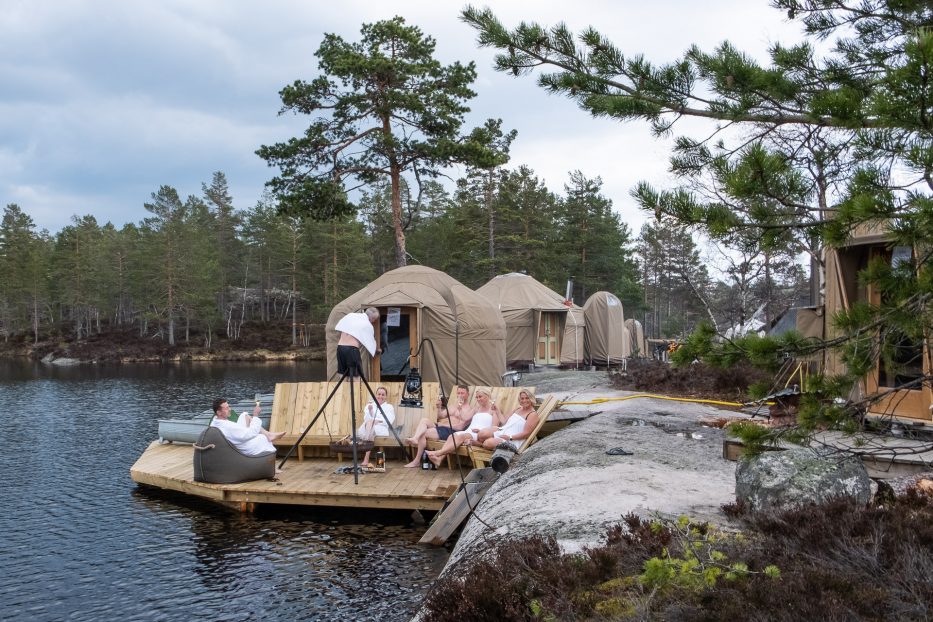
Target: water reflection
(82, 542)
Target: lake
(82, 542)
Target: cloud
(105, 101)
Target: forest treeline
(197, 269)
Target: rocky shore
(645, 456)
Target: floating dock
(311, 482)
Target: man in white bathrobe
(244, 431)
(356, 330)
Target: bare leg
(365, 461)
(272, 436)
(486, 433)
(461, 438)
(423, 426)
(492, 442)
(430, 433)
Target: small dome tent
(638, 346)
(607, 340)
(572, 350)
(467, 331)
(536, 320)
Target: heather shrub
(837, 561)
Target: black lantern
(412, 394)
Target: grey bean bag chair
(217, 461)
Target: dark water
(80, 541)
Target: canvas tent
(538, 326)
(419, 303)
(638, 345)
(607, 340)
(903, 397)
(572, 350)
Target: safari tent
(607, 340)
(638, 345)
(572, 350)
(419, 303)
(904, 398)
(538, 323)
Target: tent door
(548, 350)
(402, 336)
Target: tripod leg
(356, 463)
(319, 413)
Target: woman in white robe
(373, 423)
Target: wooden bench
(296, 404)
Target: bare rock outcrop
(784, 479)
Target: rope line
(603, 400)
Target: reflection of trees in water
(320, 563)
(283, 562)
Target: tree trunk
(35, 318)
(171, 316)
(395, 174)
(487, 199)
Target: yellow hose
(600, 400)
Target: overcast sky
(103, 101)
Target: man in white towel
(244, 431)
(356, 330)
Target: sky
(104, 101)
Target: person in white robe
(246, 433)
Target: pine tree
(385, 108)
(226, 220)
(824, 139)
(594, 243)
(166, 258)
(24, 256)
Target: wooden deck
(311, 482)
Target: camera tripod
(352, 373)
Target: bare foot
(436, 460)
(413, 464)
(410, 441)
(274, 436)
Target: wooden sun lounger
(481, 457)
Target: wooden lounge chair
(480, 457)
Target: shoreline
(261, 355)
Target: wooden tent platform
(310, 482)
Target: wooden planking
(312, 482)
(283, 406)
(464, 499)
(296, 405)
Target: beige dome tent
(607, 340)
(638, 346)
(572, 350)
(423, 303)
(536, 321)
